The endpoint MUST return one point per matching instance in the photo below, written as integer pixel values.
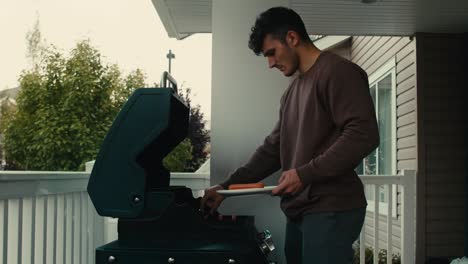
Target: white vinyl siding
(372, 53)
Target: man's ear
(292, 38)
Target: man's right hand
(211, 200)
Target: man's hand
(211, 200)
(288, 183)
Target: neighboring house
(418, 81)
(9, 93)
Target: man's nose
(271, 62)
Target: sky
(127, 32)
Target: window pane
(370, 164)
(380, 161)
(384, 117)
(360, 169)
(372, 93)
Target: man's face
(280, 55)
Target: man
(326, 127)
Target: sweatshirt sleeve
(352, 110)
(264, 161)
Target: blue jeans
(323, 238)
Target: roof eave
(329, 42)
(167, 20)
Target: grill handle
(172, 82)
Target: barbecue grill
(159, 223)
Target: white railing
(405, 184)
(47, 217)
(198, 182)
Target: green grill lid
(129, 163)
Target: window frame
(387, 68)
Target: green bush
(179, 156)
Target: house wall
(343, 49)
(442, 84)
(371, 53)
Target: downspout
(465, 65)
(466, 175)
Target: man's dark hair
(276, 21)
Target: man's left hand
(288, 184)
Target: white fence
(47, 217)
(405, 184)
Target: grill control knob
(266, 242)
(170, 260)
(231, 261)
(111, 259)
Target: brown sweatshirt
(326, 126)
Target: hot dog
(246, 186)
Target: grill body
(159, 223)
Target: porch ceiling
(335, 17)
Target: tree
(198, 135)
(7, 111)
(64, 111)
(65, 108)
(177, 159)
(36, 46)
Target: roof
(334, 17)
(329, 42)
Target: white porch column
(245, 92)
(245, 105)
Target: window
(382, 161)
